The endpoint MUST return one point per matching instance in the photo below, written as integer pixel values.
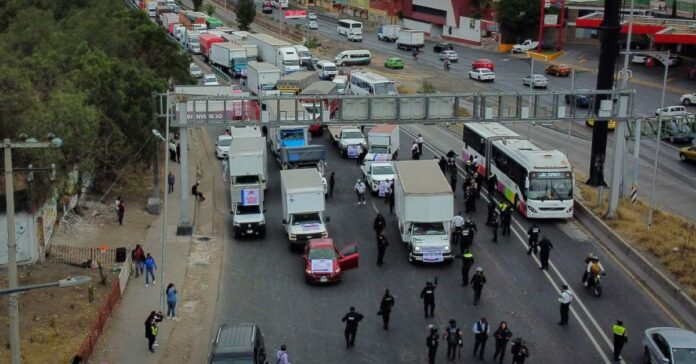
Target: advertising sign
(295, 14)
(250, 197)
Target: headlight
(417, 249)
(262, 222)
(325, 234)
(447, 249)
(236, 224)
(292, 237)
(308, 271)
(338, 270)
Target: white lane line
(374, 207)
(550, 279)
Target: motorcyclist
(594, 267)
(447, 64)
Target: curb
(663, 288)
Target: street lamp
(7, 145)
(157, 134)
(63, 283)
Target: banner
(295, 14)
(250, 197)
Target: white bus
(538, 182)
(346, 26)
(368, 83)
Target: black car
(438, 48)
(581, 99)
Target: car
(687, 154)
(558, 70)
(669, 345)
(441, 47)
(195, 71)
(238, 343)
(674, 61)
(639, 59)
(324, 263)
(210, 80)
(675, 110)
(222, 146)
(581, 98)
(354, 37)
(312, 16)
(483, 63)
(451, 55)
(312, 24)
(687, 99)
(267, 7)
(611, 125)
(394, 63)
(535, 81)
(482, 74)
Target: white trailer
(230, 57)
(275, 51)
(247, 157)
(410, 39)
(382, 143)
(262, 76)
(388, 33)
(303, 205)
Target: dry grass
(671, 239)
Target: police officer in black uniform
(491, 209)
(428, 297)
(351, 319)
(385, 308)
(431, 342)
(453, 335)
(379, 223)
(533, 233)
(545, 247)
(468, 231)
(505, 219)
(467, 262)
(382, 244)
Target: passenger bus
(346, 26)
(539, 183)
(368, 83)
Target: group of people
(417, 147)
(174, 151)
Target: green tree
(197, 5)
(246, 12)
(210, 9)
(518, 19)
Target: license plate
(249, 231)
(323, 279)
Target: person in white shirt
(565, 299)
(360, 190)
(420, 141)
(457, 224)
(282, 355)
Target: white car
(676, 110)
(449, 54)
(312, 24)
(482, 74)
(210, 80)
(354, 37)
(312, 16)
(195, 70)
(688, 99)
(222, 146)
(639, 59)
(536, 81)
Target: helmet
(468, 218)
(479, 269)
(595, 259)
(358, 180)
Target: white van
(327, 70)
(353, 57)
(342, 81)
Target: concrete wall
(25, 238)
(469, 31)
(416, 25)
(445, 5)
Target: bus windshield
(550, 187)
(387, 88)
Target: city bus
(539, 183)
(368, 83)
(346, 26)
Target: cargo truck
(247, 171)
(275, 51)
(169, 20)
(290, 145)
(410, 39)
(213, 23)
(190, 41)
(247, 157)
(349, 140)
(303, 206)
(388, 33)
(382, 143)
(230, 58)
(262, 77)
(295, 82)
(424, 205)
(206, 41)
(189, 18)
(304, 55)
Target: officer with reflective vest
(468, 232)
(619, 339)
(467, 263)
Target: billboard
(295, 14)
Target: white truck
(169, 20)
(262, 77)
(375, 173)
(238, 132)
(388, 33)
(304, 54)
(303, 206)
(247, 158)
(275, 51)
(382, 143)
(247, 169)
(527, 45)
(190, 41)
(410, 39)
(349, 140)
(230, 57)
(424, 205)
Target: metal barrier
(95, 331)
(80, 255)
(125, 272)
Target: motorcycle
(594, 283)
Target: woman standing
(502, 336)
(171, 301)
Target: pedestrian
(432, 342)
(196, 192)
(468, 232)
(170, 182)
(332, 182)
(351, 319)
(469, 163)
(620, 338)
(502, 335)
(467, 263)
(151, 329)
(391, 200)
(383, 188)
(453, 182)
(477, 282)
(520, 352)
(533, 240)
(282, 355)
(415, 151)
(495, 222)
(379, 223)
(491, 210)
(545, 247)
(150, 267)
(385, 307)
(172, 297)
(470, 199)
(420, 141)
(428, 297)
(478, 179)
(492, 184)
(172, 150)
(457, 226)
(138, 257)
(382, 244)
(453, 335)
(565, 299)
(506, 219)
(120, 210)
(443, 164)
(481, 331)
(178, 152)
(359, 154)
(360, 191)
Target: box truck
(262, 77)
(388, 33)
(230, 57)
(275, 51)
(382, 143)
(206, 41)
(247, 157)
(303, 206)
(410, 39)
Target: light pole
(7, 145)
(664, 58)
(164, 207)
(63, 283)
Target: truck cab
(304, 55)
(288, 60)
(382, 143)
(248, 220)
(375, 173)
(428, 242)
(348, 139)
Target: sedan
(312, 24)
(558, 70)
(210, 80)
(669, 345)
(195, 71)
(441, 47)
(312, 16)
(324, 263)
(581, 99)
(483, 63)
(535, 81)
(482, 74)
(394, 63)
(451, 55)
(688, 154)
(639, 59)
(688, 99)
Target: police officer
(382, 244)
(379, 223)
(505, 218)
(443, 164)
(467, 263)
(477, 282)
(351, 319)
(620, 339)
(545, 247)
(495, 222)
(469, 164)
(468, 231)
(453, 182)
(565, 299)
(385, 308)
(478, 179)
(431, 342)
(470, 200)
(492, 184)
(420, 141)
(491, 210)
(453, 335)
(428, 297)
(533, 240)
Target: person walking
(385, 307)
(428, 297)
(545, 247)
(138, 257)
(478, 179)
(170, 182)
(382, 244)
(565, 299)
(506, 219)
(178, 152)
(468, 232)
(477, 282)
(282, 355)
(360, 191)
(351, 319)
(457, 226)
(332, 182)
(491, 210)
(620, 338)
(453, 183)
(492, 184)
(172, 297)
(379, 223)
(415, 151)
(390, 198)
(120, 210)
(469, 163)
(453, 335)
(431, 342)
(420, 141)
(533, 240)
(172, 150)
(150, 267)
(481, 331)
(520, 352)
(502, 335)
(469, 200)
(495, 222)
(467, 263)
(443, 164)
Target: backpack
(595, 268)
(452, 334)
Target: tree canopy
(83, 70)
(246, 12)
(518, 19)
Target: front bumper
(250, 229)
(418, 257)
(300, 240)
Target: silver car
(536, 81)
(449, 54)
(669, 345)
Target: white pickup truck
(347, 138)
(527, 45)
(376, 172)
